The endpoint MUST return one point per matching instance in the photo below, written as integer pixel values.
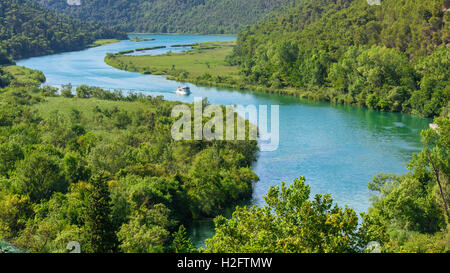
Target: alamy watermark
(227, 123)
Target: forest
(172, 16)
(27, 29)
(391, 57)
(102, 168)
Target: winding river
(337, 148)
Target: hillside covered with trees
(28, 29)
(391, 57)
(172, 16)
(102, 168)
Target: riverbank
(204, 59)
(362, 144)
(141, 40)
(22, 76)
(102, 42)
(181, 33)
(205, 64)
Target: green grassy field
(66, 106)
(205, 58)
(204, 65)
(24, 76)
(141, 40)
(102, 42)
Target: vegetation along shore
(327, 57)
(102, 168)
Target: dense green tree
(146, 231)
(39, 175)
(10, 154)
(14, 214)
(5, 59)
(414, 206)
(290, 222)
(83, 91)
(5, 78)
(66, 90)
(406, 202)
(181, 242)
(376, 77)
(436, 159)
(434, 94)
(212, 181)
(353, 53)
(55, 222)
(75, 169)
(99, 229)
(110, 157)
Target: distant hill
(172, 16)
(29, 29)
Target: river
(337, 148)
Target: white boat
(183, 91)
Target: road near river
(337, 148)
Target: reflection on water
(200, 230)
(337, 148)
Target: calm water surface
(337, 148)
